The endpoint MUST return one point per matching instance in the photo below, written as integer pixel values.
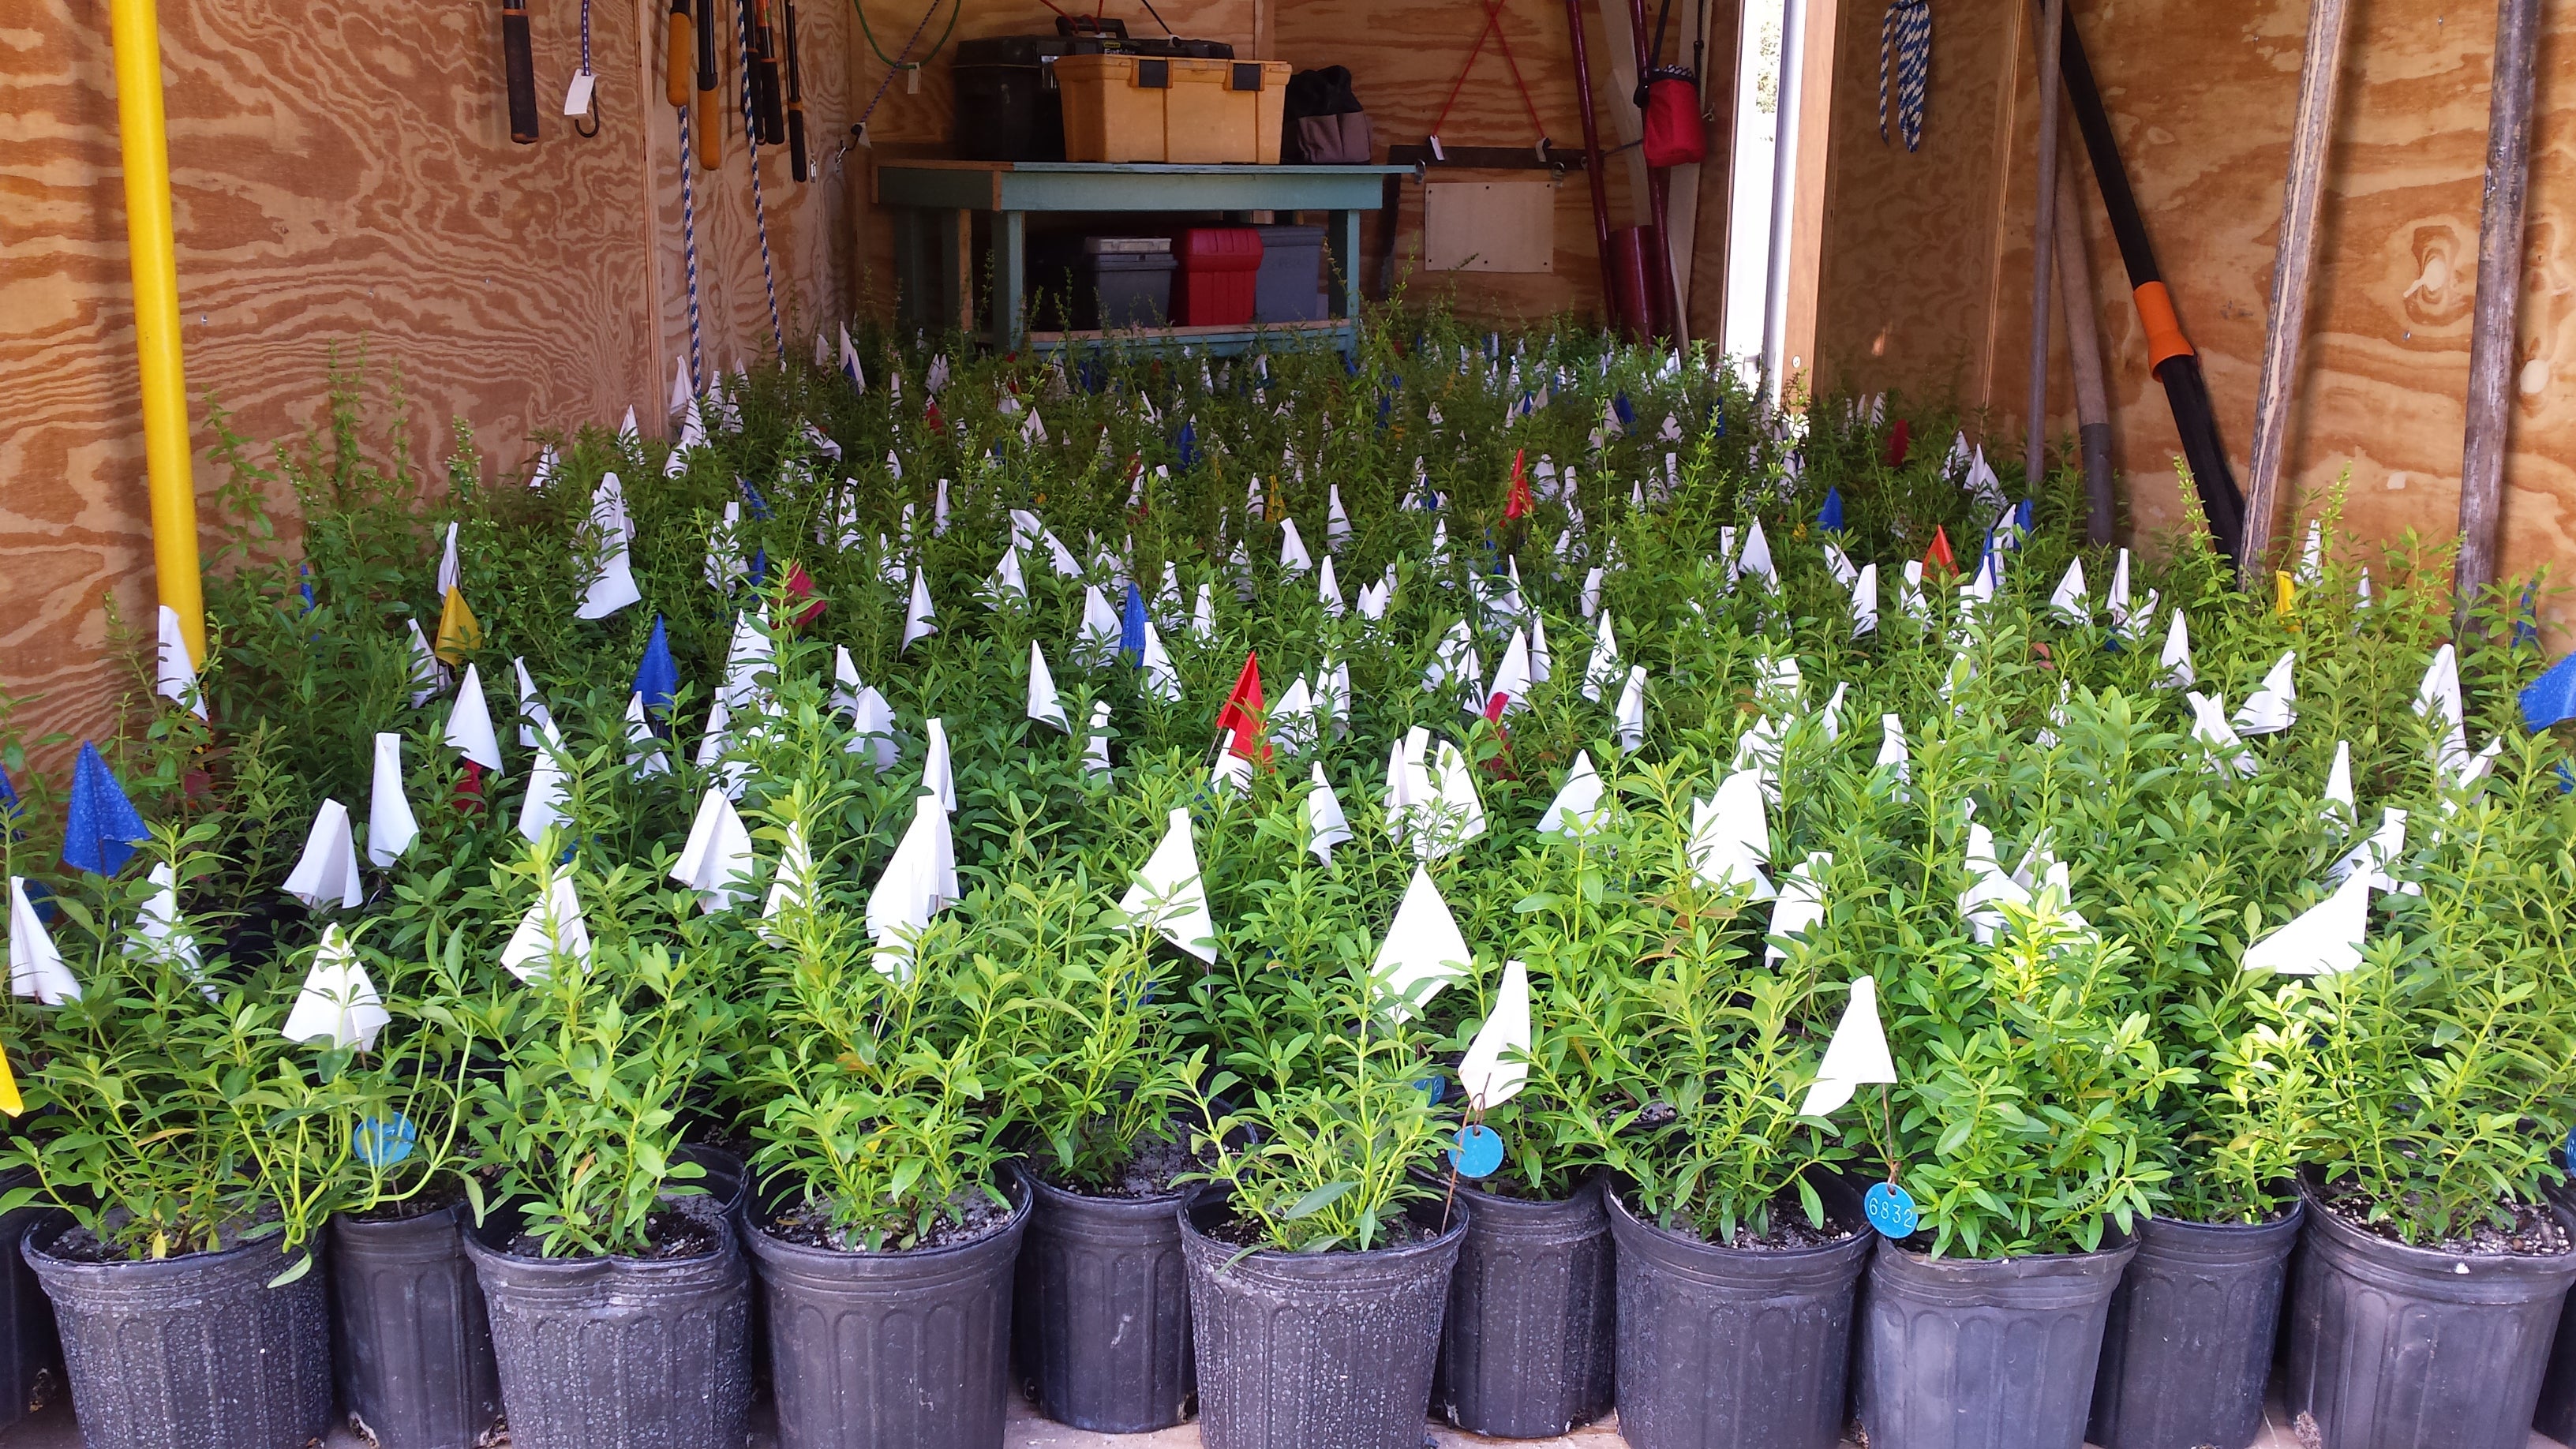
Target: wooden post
(2043, 232)
(2311, 138)
(2493, 344)
(2084, 348)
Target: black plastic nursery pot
(2187, 1350)
(901, 1350)
(193, 1352)
(415, 1341)
(31, 1356)
(2555, 1414)
(2393, 1347)
(620, 1353)
(1101, 1312)
(1983, 1353)
(1527, 1344)
(1316, 1350)
(1721, 1347)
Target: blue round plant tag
(1891, 1210)
(2569, 1159)
(382, 1143)
(1478, 1153)
(1434, 1087)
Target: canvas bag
(1669, 97)
(1322, 123)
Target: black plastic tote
(193, 1352)
(31, 1357)
(620, 1353)
(415, 1341)
(2392, 1347)
(2187, 1350)
(2555, 1414)
(1983, 1353)
(904, 1350)
(1526, 1347)
(1101, 1314)
(1315, 1350)
(1720, 1347)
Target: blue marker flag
(1186, 443)
(2551, 698)
(759, 566)
(1830, 517)
(751, 495)
(2526, 619)
(1131, 627)
(305, 573)
(101, 827)
(657, 678)
(1385, 409)
(1627, 411)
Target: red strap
(1493, 26)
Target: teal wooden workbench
(934, 203)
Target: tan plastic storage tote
(1181, 110)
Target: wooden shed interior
(344, 181)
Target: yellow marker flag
(10, 1102)
(2285, 592)
(459, 632)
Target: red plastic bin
(1219, 276)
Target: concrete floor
(55, 1429)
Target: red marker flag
(1899, 438)
(800, 586)
(1518, 504)
(1939, 552)
(1242, 715)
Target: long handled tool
(710, 117)
(2169, 353)
(2084, 348)
(2493, 344)
(768, 94)
(795, 100)
(2043, 239)
(522, 68)
(1592, 163)
(2310, 135)
(676, 74)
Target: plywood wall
(1930, 283)
(343, 177)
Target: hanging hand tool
(710, 117)
(522, 69)
(676, 82)
(795, 99)
(766, 91)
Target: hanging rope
(759, 210)
(586, 70)
(896, 64)
(1905, 37)
(689, 255)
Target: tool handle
(710, 130)
(796, 139)
(522, 68)
(676, 83)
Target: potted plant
(888, 1213)
(1686, 1062)
(619, 1291)
(1318, 1263)
(1109, 1098)
(2433, 1267)
(196, 1152)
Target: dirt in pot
(437, 1197)
(681, 1228)
(1790, 1231)
(80, 1245)
(1238, 1231)
(1149, 1173)
(972, 1214)
(2532, 1231)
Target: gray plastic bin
(1286, 289)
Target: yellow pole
(150, 238)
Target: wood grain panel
(2202, 101)
(342, 176)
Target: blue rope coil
(759, 210)
(689, 252)
(1905, 45)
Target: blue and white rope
(759, 211)
(689, 251)
(1905, 39)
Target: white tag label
(912, 80)
(1436, 153)
(577, 99)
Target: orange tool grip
(684, 48)
(2165, 341)
(710, 130)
